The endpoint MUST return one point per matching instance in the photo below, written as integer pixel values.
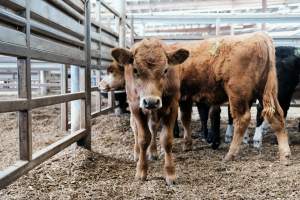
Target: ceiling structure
(204, 18)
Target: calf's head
(114, 79)
(147, 67)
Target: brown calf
(114, 80)
(234, 69)
(152, 87)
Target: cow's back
(232, 60)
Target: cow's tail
(270, 102)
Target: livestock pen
(72, 39)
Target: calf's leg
(186, 111)
(215, 126)
(144, 139)
(166, 140)
(152, 150)
(229, 130)
(203, 110)
(136, 149)
(241, 117)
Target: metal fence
(59, 32)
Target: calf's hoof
(170, 180)
(187, 146)
(285, 159)
(140, 176)
(215, 145)
(229, 157)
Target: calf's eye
(165, 71)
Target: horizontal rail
(22, 104)
(21, 167)
(56, 99)
(109, 8)
(208, 18)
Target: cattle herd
(240, 70)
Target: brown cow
(233, 68)
(152, 87)
(114, 80)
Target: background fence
(56, 32)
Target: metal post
(264, 8)
(24, 91)
(86, 122)
(120, 6)
(217, 27)
(64, 90)
(75, 105)
(132, 31)
(43, 82)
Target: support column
(120, 6)
(264, 8)
(64, 90)
(24, 91)
(217, 27)
(86, 83)
(75, 105)
(43, 82)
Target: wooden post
(64, 90)
(24, 91)
(86, 122)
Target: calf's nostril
(145, 102)
(157, 102)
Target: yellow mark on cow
(214, 48)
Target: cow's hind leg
(276, 120)
(186, 111)
(241, 117)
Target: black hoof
(215, 145)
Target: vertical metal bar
(120, 6)
(75, 105)
(86, 141)
(264, 8)
(64, 90)
(43, 82)
(217, 26)
(131, 31)
(111, 99)
(24, 91)
(98, 96)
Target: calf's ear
(122, 56)
(178, 56)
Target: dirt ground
(108, 171)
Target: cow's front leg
(186, 111)
(143, 140)
(166, 140)
(136, 149)
(152, 150)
